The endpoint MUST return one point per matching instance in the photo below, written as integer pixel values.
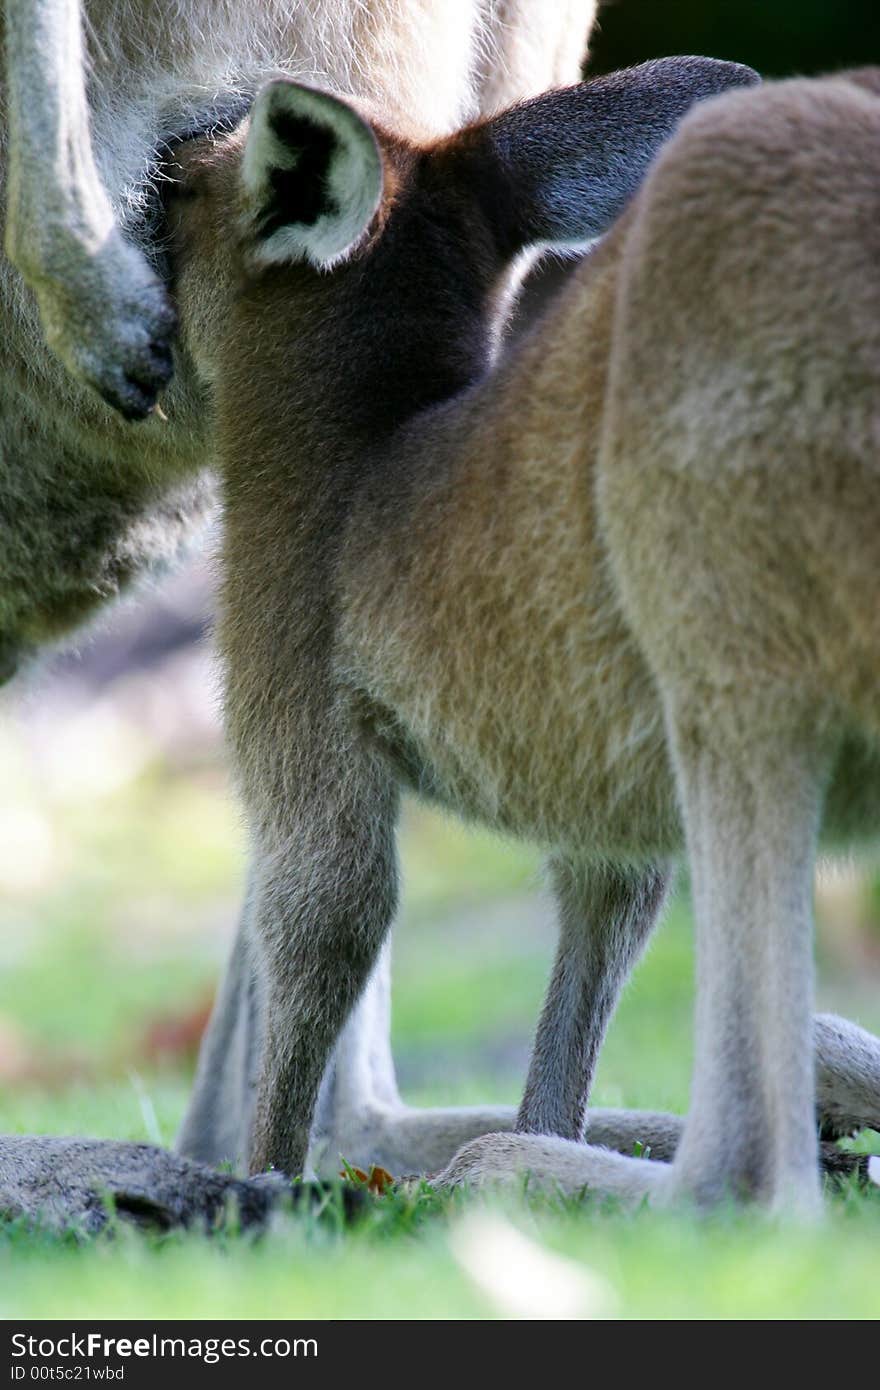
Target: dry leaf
(377, 1181)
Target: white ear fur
(351, 180)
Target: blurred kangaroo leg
(217, 1122)
(361, 1116)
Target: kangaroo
(605, 592)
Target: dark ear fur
(312, 174)
(559, 169)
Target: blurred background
(121, 851)
(778, 37)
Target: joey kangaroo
(600, 602)
(91, 95)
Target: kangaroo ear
(559, 169)
(312, 174)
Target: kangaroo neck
(318, 407)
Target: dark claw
(150, 380)
(831, 1130)
(135, 392)
(134, 401)
(140, 393)
(839, 1165)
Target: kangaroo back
(748, 464)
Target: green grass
(400, 1261)
(129, 923)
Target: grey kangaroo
(91, 94)
(612, 592)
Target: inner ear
(300, 192)
(312, 173)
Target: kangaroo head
(349, 242)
